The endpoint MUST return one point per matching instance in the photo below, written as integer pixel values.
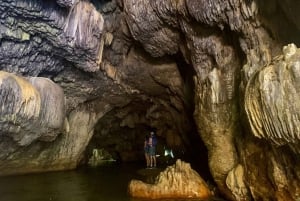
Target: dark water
(107, 183)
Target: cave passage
(119, 135)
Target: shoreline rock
(177, 181)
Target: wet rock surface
(211, 77)
(177, 181)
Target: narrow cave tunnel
(120, 134)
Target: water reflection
(107, 183)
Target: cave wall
(78, 74)
(226, 47)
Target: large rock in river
(177, 181)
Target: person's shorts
(152, 151)
(146, 150)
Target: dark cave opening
(278, 18)
(121, 132)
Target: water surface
(108, 183)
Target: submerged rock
(177, 181)
(100, 157)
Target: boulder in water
(177, 181)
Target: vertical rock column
(79, 131)
(216, 112)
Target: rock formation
(216, 78)
(177, 181)
(271, 100)
(31, 109)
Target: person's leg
(147, 159)
(151, 156)
(154, 157)
(154, 161)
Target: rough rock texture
(190, 69)
(271, 100)
(272, 107)
(217, 60)
(36, 42)
(31, 109)
(177, 181)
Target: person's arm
(150, 141)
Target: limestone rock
(100, 157)
(31, 109)
(41, 35)
(67, 3)
(272, 100)
(236, 183)
(177, 181)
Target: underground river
(106, 183)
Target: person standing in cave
(152, 147)
(146, 151)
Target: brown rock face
(177, 181)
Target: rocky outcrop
(31, 109)
(65, 152)
(271, 103)
(177, 181)
(271, 100)
(100, 157)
